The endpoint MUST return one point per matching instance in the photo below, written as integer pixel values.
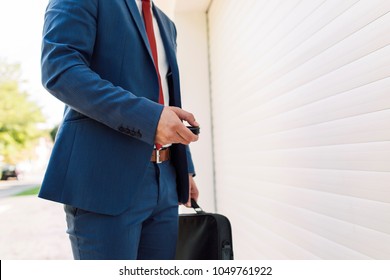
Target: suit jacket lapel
(167, 39)
(139, 22)
(169, 46)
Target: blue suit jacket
(96, 59)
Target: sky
(21, 24)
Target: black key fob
(195, 129)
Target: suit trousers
(146, 230)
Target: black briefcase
(204, 236)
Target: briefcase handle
(196, 207)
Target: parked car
(9, 171)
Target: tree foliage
(53, 132)
(19, 116)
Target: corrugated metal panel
(301, 117)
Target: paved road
(12, 187)
(31, 228)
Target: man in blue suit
(120, 163)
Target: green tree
(19, 116)
(53, 132)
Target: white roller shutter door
(301, 121)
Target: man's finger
(186, 134)
(185, 116)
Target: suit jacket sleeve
(68, 42)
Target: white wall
(301, 106)
(167, 6)
(194, 75)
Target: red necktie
(148, 19)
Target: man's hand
(194, 192)
(170, 128)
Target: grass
(33, 191)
